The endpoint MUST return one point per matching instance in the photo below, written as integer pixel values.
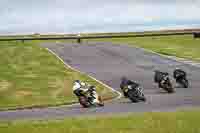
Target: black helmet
(124, 80)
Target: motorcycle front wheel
(143, 99)
(84, 102)
(132, 97)
(169, 89)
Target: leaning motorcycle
(90, 98)
(134, 94)
(163, 80)
(180, 77)
(166, 84)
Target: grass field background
(157, 122)
(31, 76)
(184, 46)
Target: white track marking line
(68, 66)
(178, 59)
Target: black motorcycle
(164, 82)
(180, 77)
(134, 94)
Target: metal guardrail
(93, 37)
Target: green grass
(169, 122)
(181, 46)
(31, 76)
(184, 46)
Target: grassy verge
(181, 46)
(169, 122)
(31, 76)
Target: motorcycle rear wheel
(169, 89)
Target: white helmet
(83, 84)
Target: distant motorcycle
(164, 82)
(90, 98)
(134, 94)
(180, 77)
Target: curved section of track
(108, 62)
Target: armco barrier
(79, 38)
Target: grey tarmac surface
(108, 62)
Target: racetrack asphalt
(108, 62)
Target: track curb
(68, 66)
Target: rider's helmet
(83, 84)
(76, 85)
(124, 79)
(77, 82)
(124, 82)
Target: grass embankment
(31, 76)
(184, 46)
(169, 122)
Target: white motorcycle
(90, 98)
